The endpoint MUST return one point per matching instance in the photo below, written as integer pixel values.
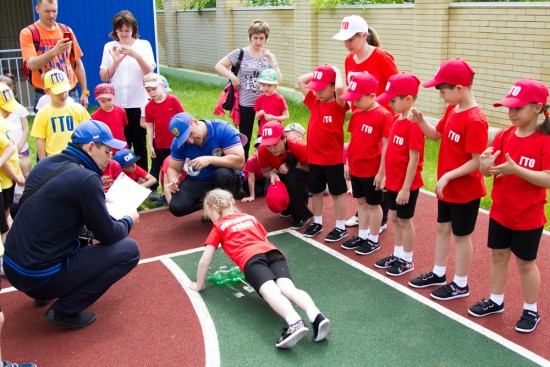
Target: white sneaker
(382, 228)
(352, 222)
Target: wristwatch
(86, 92)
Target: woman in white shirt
(125, 62)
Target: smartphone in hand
(68, 35)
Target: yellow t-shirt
(56, 125)
(13, 161)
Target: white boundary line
(211, 345)
(208, 325)
(417, 297)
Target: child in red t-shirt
(110, 174)
(114, 116)
(243, 239)
(270, 106)
(325, 135)
(158, 113)
(369, 127)
(403, 163)
(255, 184)
(463, 132)
(519, 161)
(127, 161)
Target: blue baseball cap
(180, 127)
(97, 132)
(125, 157)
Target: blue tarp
(91, 21)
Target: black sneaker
(292, 335)
(336, 235)
(485, 307)
(450, 291)
(352, 243)
(285, 213)
(321, 328)
(367, 247)
(9, 364)
(428, 280)
(299, 223)
(386, 262)
(78, 321)
(528, 321)
(400, 267)
(313, 230)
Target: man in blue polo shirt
(214, 155)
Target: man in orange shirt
(54, 51)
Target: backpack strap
(35, 36)
(235, 68)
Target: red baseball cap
(360, 85)
(272, 132)
(454, 72)
(322, 77)
(524, 91)
(402, 84)
(104, 90)
(277, 197)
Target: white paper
(125, 196)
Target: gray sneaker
(292, 335)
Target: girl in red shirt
(519, 160)
(243, 239)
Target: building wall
(503, 42)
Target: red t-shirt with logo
(462, 134)
(518, 204)
(296, 146)
(242, 237)
(159, 114)
(367, 129)
(380, 65)
(405, 135)
(116, 120)
(274, 104)
(325, 131)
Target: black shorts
(462, 216)
(262, 268)
(7, 195)
(403, 211)
(364, 188)
(523, 243)
(321, 176)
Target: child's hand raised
(415, 115)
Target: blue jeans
(84, 276)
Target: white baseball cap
(350, 27)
